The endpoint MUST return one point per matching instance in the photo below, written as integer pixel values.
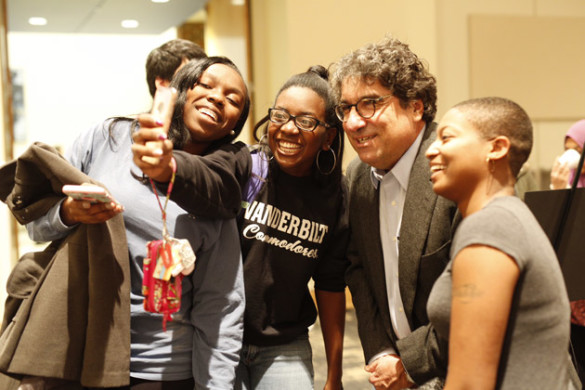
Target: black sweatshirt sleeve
(211, 185)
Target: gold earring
(491, 164)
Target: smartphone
(163, 104)
(90, 193)
(162, 110)
(571, 157)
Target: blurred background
(67, 64)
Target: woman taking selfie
(200, 346)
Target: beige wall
(529, 63)
(290, 35)
(456, 71)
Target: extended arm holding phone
(153, 155)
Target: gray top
(204, 339)
(535, 351)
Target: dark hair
(185, 80)
(164, 61)
(396, 67)
(495, 116)
(316, 79)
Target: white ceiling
(100, 16)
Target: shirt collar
(402, 168)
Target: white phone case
(90, 193)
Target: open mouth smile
(437, 168)
(362, 140)
(210, 113)
(287, 147)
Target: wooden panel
(537, 61)
(6, 144)
(193, 32)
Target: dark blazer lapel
(416, 218)
(368, 207)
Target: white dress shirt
(392, 186)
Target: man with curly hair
(401, 230)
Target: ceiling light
(160, 1)
(238, 2)
(37, 21)
(130, 23)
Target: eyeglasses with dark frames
(280, 117)
(366, 108)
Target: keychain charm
(167, 261)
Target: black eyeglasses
(366, 108)
(280, 116)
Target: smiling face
(295, 150)
(457, 158)
(214, 104)
(380, 141)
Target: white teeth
(363, 139)
(437, 168)
(208, 112)
(289, 145)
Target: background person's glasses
(280, 116)
(366, 108)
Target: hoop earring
(261, 141)
(334, 162)
(491, 165)
(263, 146)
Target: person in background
(562, 176)
(563, 170)
(293, 228)
(400, 229)
(515, 336)
(201, 345)
(164, 61)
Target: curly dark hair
(183, 81)
(396, 67)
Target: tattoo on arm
(466, 293)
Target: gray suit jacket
(428, 223)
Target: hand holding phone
(163, 105)
(571, 158)
(88, 204)
(162, 112)
(90, 193)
